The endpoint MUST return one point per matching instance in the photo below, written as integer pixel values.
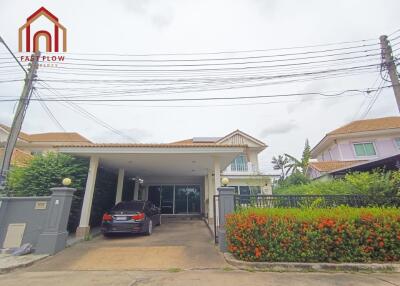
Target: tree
(280, 163)
(301, 165)
(46, 171)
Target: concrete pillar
(207, 199)
(54, 235)
(217, 174)
(136, 189)
(120, 185)
(211, 193)
(84, 228)
(226, 205)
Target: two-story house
(370, 142)
(180, 177)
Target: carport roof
(159, 159)
(148, 145)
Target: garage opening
(176, 199)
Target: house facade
(180, 177)
(356, 143)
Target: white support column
(84, 227)
(211, 193)
(136, 189)
(207, 200)
(120, 185)
(217, 174)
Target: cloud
(159, 12)
(281, 128)
(138, 135)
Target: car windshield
(129, 206)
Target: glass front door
(176, 199)
(167, 199)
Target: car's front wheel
(149, 230)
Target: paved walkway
(194, 278)
(184, 254)
(181, 244)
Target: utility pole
(388, 62)
(19, 117)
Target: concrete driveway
(178, 244)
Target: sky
(199, 27)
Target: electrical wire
(203, 98)
(48, 111)
(83, 112)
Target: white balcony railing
(241, 169)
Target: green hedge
(366, 183)
(341, 234)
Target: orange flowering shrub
(341, 234)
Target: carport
(183, 176)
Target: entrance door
(167, 199)
(154, 195)
(176, 199)
(187, 199)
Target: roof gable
(241, 138)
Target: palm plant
(295, 165)
(280, 163)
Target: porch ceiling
(158, 162)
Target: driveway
(173, 245)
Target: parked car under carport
(131, 217)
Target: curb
(308, 267)
(4, 270)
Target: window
(364, 149)
(239, 164)
(247, 190)
(397, 140)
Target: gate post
(54, 235)
(226, 205)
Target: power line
(238, 51)
(90, 116)
(232, 58)
(9, 50)
(48, 111)
(203, 98)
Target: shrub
(365, 183)
(46, 171)
(341, 234)
(297, 178)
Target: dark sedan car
(131, 217)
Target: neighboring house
(355, 144)
(30, 144)
(19, 158)
(180, 177)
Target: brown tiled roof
(50, 136)
(58, 137)
(191, 142)
(368, 125)
(19, 158)
(149, 145)
(21, 135)
(327, 166)
(186, 141)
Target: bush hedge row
(340, 234)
